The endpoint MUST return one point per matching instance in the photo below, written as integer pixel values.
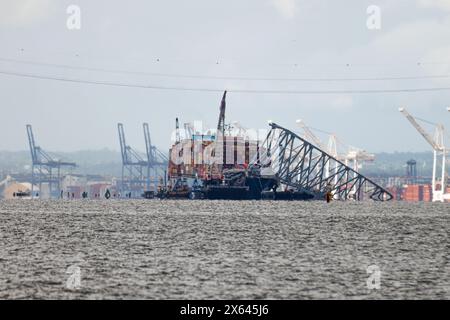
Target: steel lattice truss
(301, 166)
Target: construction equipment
(300, 167)
(439, 150)
(133, 166)
(45, 169)
(220, 137)
(156, 161)
(136, 171)
(221, 123)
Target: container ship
(221, 164)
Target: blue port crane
(45, 169)
(156, 160)
(136, 170)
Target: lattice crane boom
(421, 130)
(148, 143)
(221, 122)
(439, 150)
(122, 142)
(43, 167)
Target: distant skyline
(244, 46)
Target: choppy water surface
(223, 249)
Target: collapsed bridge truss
(301, 166)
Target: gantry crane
(156, 160)
(138, 173)
(439, 150)
(133, 166)
(43, 167)
(351, 155)
(309, 135)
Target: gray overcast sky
(251, 38)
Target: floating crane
(219, 149)
(439, 150)
(221, 123)
(43, 168)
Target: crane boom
(419, 128)
(221, 123)
(122, 142)
(148, 143)
(177, 131)
(32, 143)
(439, 150)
